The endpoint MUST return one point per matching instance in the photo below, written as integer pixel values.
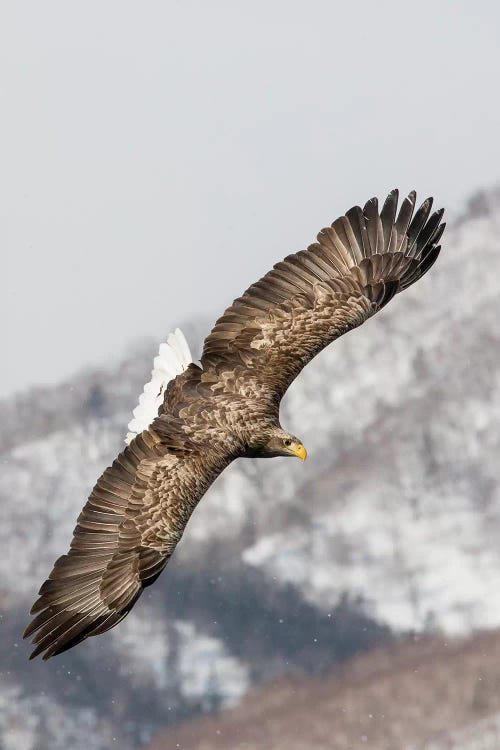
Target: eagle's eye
(287, 442)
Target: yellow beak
(300, 451)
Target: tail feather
(173, 358)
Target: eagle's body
(226, 408)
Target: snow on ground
(150, 645)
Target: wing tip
(398, 230)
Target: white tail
(173, 358)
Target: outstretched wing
(270, 333)
(123, 539)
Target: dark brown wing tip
(36, 652)
(63, 637)
(55, 631)
(371, 205)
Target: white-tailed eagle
(226, 406)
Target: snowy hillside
(396, 511)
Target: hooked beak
(300, 451)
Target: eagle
(195, 418)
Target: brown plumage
(225, 409)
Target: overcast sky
(161, 156)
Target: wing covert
(124, 537)
(314, 296)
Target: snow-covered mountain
(394, 518)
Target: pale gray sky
(161, 156)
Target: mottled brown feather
(354, 269)
(118, 551)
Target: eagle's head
(277, 442)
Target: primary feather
(192, 421)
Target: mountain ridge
(390, 526)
